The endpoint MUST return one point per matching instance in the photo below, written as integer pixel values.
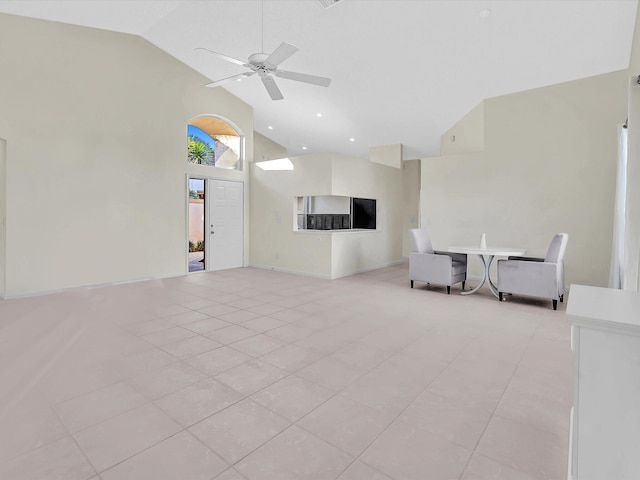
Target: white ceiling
(402, 71)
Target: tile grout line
(402, 412)
(475, 448)
(382, 280)
(75, 442)
(295, 423)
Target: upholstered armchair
(535, 277)
(433, 266)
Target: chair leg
(500, 296)
(555, 304)
(562, 298)
(448, 289)
(411, 283)
(463, 282)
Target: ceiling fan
(266, 65)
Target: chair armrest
(539, 279)
(527, 259)
(456, 257)
(430, 268)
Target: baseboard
(475, 278)
(287, 270)
(369, 269)
(323, 276)
(90, 286)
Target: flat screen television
(363, 213)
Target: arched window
(212, 141)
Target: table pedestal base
(485, 277)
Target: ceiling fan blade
(303, 77)
(272, 88)
(224, 57)
(234, 77)
(280, 54)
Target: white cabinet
(605, 424)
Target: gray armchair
(535, 277)
(432, 266)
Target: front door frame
(208, 179)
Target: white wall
(95, 124)
(325, 254)
(631, 278)
(3, 214)
(632, 228)
(390, 155)
(266, 149)
(275, 244)
(356, 252)
(467, 135)
(548, 166)
(411, 196)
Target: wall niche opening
(335, 212)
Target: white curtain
(616, 271)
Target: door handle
(213, 233)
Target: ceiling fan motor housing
(257, 60)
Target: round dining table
(490, 253)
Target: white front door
(226, 220)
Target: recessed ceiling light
(318, 114)
(484, 13)
(238, 79)
(304, 148)
(270, 127)
(352, 139)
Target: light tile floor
(250, 374)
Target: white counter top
(604, 308)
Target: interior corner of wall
(389, 155)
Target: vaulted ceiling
(403, 71)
